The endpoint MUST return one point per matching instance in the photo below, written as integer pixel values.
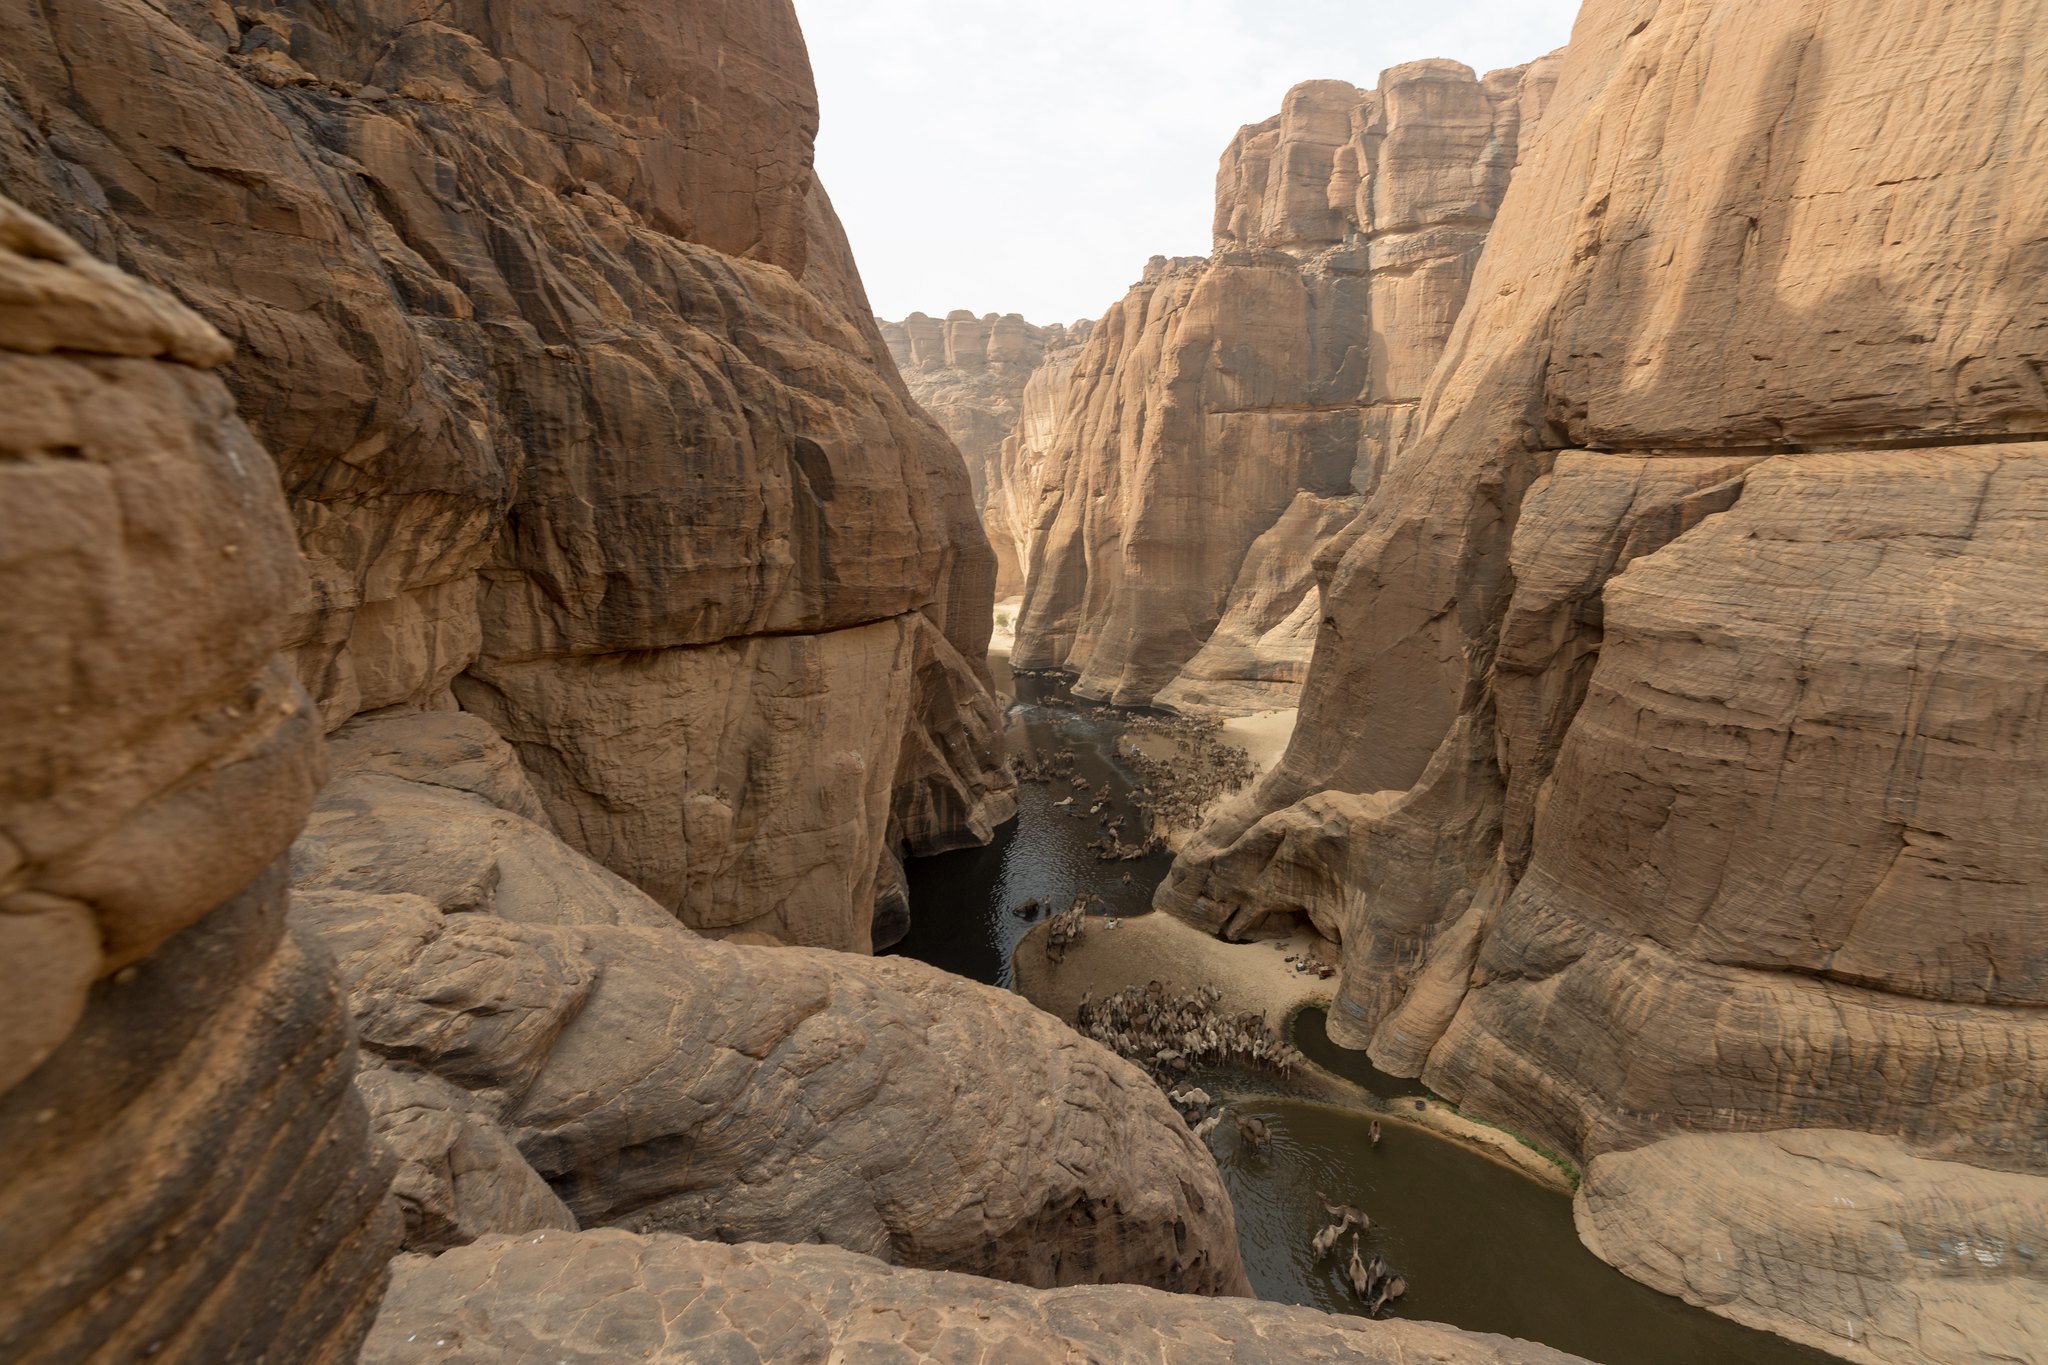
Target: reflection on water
(1482, 1246)
(961, 902)
(1310, 1031)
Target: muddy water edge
(1481, 1245)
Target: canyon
(1231, 413)
(492, 612)
(1671, 755)
(992, 383)
(471, 552)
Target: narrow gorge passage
(1482, 1246)
(963, 904)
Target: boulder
(540, 1025)
(190, 1175)
(525, 1301)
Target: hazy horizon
(1013, 158)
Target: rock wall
(527, 1302)
(1673, 755)
(189, 1173)
(192, 1175)
(584, 428)
(1233, 410)
(549, 1051)
(576, 397)
(971, 374)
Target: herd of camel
(1373, 1281)
(1167, 1031)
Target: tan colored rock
(1257, 657)
(760, 797)
(513, 1301)
(1674, 750)
(1761, 1226)
(540, 1020)
(624, 404)
(459, 1176)
(971, 373)
(1288, 365)
(189, 1176)
(1837, 683)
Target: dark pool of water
(961, 903)
(1311, 1033)
(1482, 1246)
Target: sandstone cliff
(1232, 411)
(1673, 757)
(189, 1173)
(972, 375)
(577, 400)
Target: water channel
(1481, 1245)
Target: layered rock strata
(552, 1051)
(577, 400)
(1233, 410)
(972, 374)
(1672, 760)
(526, 1301)
(190, 1176)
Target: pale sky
(1027, 156)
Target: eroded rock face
(1674, 739)
(1257, 657)
(554, 1051)
(1947, 1253)
(1232, 411)
(971, 373)
(576, 398)
(511, 1301)
(189, 1173)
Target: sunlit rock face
(587, 431)
(1233, 411)
(1672, 760)
(582, 416)
(985, 380)
(190, 1175)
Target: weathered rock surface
(189, 1175)
(576, 398)
(555, 1051)
(527, 1300)
(1257, 658)
(1223, 391)
(1673, 757)
(970, 373)
(1947, 1258)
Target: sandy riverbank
(1263, 738)
(1250, 976)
